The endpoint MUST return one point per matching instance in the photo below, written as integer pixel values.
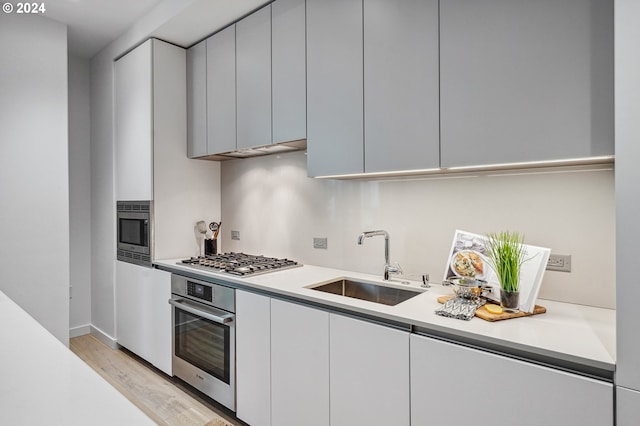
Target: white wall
(278, 211)
(627, 98)
(79, 195)
(34, 177)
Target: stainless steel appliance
(204, 337)
(239, 264)
(134, 232)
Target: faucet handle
(392, 269)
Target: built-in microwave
(134, 233)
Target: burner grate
(240, 264)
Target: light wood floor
(166, 400)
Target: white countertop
(567, 332)
(43, 383)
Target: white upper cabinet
(197, 100)
(221, 91)
(525, 80)
(401, 93)
(253, 78)
(134, 124)
(335, 134)
(150, 116)
(288, 66)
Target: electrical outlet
(320, 243)
(559, 262)
(235, 235)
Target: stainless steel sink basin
(367, 291)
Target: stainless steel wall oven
(134, 232)
(204, 337)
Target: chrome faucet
(388, 268)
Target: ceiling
(204, 17)
(93, 24)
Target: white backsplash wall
(278, 211)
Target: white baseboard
(104, 337)
(79, 331)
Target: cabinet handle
(221, 319)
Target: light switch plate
(320, 243)
(235, 235)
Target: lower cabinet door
(253, 358)
(369, 374)
(627, 407)
(299, 365)
(143, 314)
(455, 385)
(160, 329)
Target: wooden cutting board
(481, 312)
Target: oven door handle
(221, 319)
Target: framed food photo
(468, 259)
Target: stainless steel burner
(239, 264)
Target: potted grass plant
(506, 253)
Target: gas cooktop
(239, 264)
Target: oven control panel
(199, 291)
(205, 292)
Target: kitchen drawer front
(452, 384)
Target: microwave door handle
(222, 319)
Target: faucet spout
(369, 234)
(384, 234)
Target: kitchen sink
(367, 291)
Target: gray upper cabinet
(247, 83)
(288, 66)
(221, 91)
(401, 93)
(197, 100)
(253, 59)
(335, 140)
(525, 80)
(372, 86)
